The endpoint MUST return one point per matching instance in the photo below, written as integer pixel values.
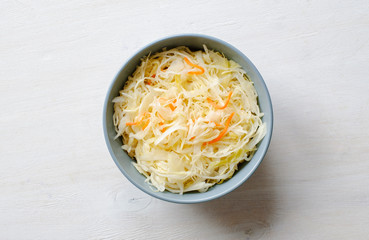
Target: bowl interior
(195, 42)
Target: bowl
(194, 42)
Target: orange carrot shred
(147, 123)
(135, 123)
(172, 107)
(222, 133)
(216, 124)
(161, 100)
(202, 70)
(218, 106)
(163, 130)
(192, 138)
(140, 119)
(154, 75)
(161, 116)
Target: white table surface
(58, 181)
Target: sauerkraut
(188, 118)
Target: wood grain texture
(57, 180)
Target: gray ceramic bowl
(124, 162)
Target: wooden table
(58, 181)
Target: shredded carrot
(161, 100)
(192, 138)
(161, 117)
(202, 70)
(161, 123)
(216, 124)
(140, 119)
(172, 106)
(218, 106)
(222, 133)
(148, 82)
(135, 123)
(154, 75)
(145, 126)
(163, 130)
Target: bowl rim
(268, 135)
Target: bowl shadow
(246, 211)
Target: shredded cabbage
(166, 121)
